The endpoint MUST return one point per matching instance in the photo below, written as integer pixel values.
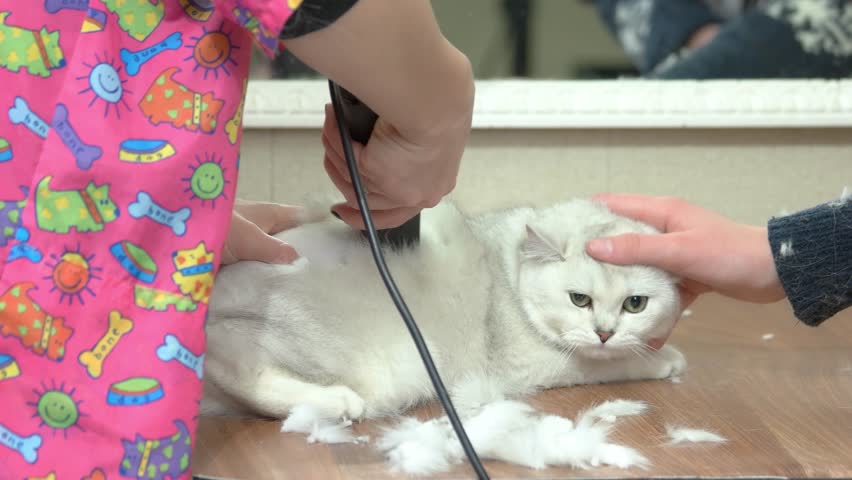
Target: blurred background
(669, 39)
(749, 174)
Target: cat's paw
(671, 362)
(340, 402)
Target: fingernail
(600, 247)
(288, 257)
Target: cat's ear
(538, 248)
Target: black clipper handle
(360, 121)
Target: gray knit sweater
(813, 256)
(757, 39)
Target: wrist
(446, 106)
(768, 282)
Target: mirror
(566, 64)
(609, 39)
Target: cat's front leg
(274, 392)
(664, 363)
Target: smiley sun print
(106, 84)
(57, 408)
(212, 52)
(71, 274)
(207, 181)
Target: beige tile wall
(749, 175)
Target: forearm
(651, 32)
(813, 257)
(392, 55)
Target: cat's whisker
(568, 350)
(639, 353)
(573, 349)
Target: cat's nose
(604, 335)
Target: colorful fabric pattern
(119, 146)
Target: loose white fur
(490, 293)
(504, 430)
(614, 409)
(678, 435)
(320, 428)
(418, 448)
(786, 249)
(845, 196)
(513, 432)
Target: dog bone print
(27, 447)
(171, 349)
(232, 127)
(21, 113)
(84, 154)
(94, 359)
(135, 60)
(53, 6)
(144, 206)
(23, 249)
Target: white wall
(749, 175)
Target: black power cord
(372, 238)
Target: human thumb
(246, 241)
(631, 249)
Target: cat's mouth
(629, 347)
(602, 352)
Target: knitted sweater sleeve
(652, 30)
(813, 256)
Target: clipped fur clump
(678, 435)
(514, 432)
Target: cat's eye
(581, 300)
(635, 304)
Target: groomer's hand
(252, 226)
(393, 56)
(706, 250)
(402, 174)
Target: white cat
(509, 298)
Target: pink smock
(120, 126)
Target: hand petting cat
(706, 250)
(252, 226)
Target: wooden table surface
(784, 404)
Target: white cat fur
(514, 432)
(490, 294)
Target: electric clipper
(360, 120)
